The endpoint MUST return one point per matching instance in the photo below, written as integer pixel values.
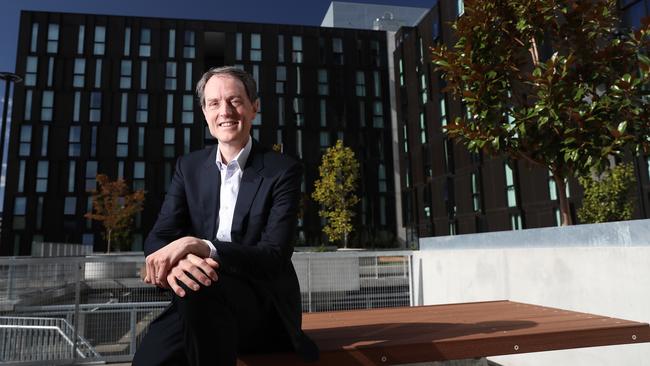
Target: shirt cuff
(213, 250)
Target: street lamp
(9, 78)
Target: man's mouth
(228, 123)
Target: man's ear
(256, 105)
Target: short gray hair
(247, 79)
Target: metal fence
(63, 310)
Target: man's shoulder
(275, 162)
(197, 157)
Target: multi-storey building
(445, 189)
(115, 95)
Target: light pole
(9, 78)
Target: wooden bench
(394, 336)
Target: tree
(115, 206)
(552, 82)
(606, 198)
(335, 191)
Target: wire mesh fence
(62, 310)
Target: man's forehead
(217, 82)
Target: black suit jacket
(263, 225)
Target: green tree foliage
(335, 191)
(552, 82)
(115, 206)
(606, 198)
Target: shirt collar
(241, 157)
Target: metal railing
(64, 310)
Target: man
(223, 242)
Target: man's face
(228, 111)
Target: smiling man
(223, 242)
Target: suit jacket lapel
(210, 188)
(250, 183)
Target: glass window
(552, 188)
(31, 70)
(99, 45)
(125, 74)
(142, 113)
(443, 112)
(93, 141)
(401, 72)
(189, 51)
(323, 87)
(20, 206)
(187, 138)
(34, 41)
(98, 73)
(423, 129)
(280, 48)
(324, 140)
(383, 181)
(256, 47)
(171, 46)
(170, 76)
(378, 115)
(141, 132)
(81, 37)
(95, 108)
(476, 193)
(138, 175)
(91, 174)
(47, 106)
(516, 222)
(70, 206)
(74, 141)
(79, 73)
(76, 107)
(50, 71)
(362, 113)
(299, 112)
(511, 192)
(25, 140)
(296, 49)
(127, 41)
(238, 46)
(21, 177)
(337, 50)
(188, 76)
(281, 78)
(145, 42)
(143, 75)
(299, 143)
(45, 134)
(52, 38)
(124, 104)
(460, 6)
(42, 169)
(361, 84)
(169, 112)
(423, 89)
(168, 143)
(323, 113)
(374, 53)
(377, 83)
(72, 167)
(29, 94)
(188, 109)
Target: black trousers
(212, 326)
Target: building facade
(445, 189)
(115, 95)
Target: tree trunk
(108, 250)
(565, 208)
(345, 240)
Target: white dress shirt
(231, 174)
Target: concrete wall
(602, 269)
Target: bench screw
(383, 359)
(634, 337)
(516, 347)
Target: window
(98, 73)
(299, 143)
(124, 104)
(298, 81)
(423, 88)
(423, 129)
(296, 49)
(362, 113)
(47, 105)
(100, 40)
(142, 113)
(280, 48)
(53, 38)
(401, 72)
(238, 46)
(81, 38)
(378, 115)
(170, 76)
(324, 140)
(171, 46)
(21, 177)
(377, 83)
(20, 207)
(29, 94)
(383, 181)
(138, 175)
(337, 50)
(25, 140)
(74, 141)
(443, 112)
(168, 143)
(91, 174)
(122, 143)
(405, 137)
(127, 41)
(93, 141)
(188, 109)
(141, 132)
(552, 188)
(95, 108)
(511, 192)
(361, 84)
(125, 74)
(281, 115)
(516, 222)
(299, 112)
(42, 169)
(189, 50)
(79, 73)
(145, 42)
(169, 110)
(34, 40)
(31, 70)
(460, 6)
(70, 206)
(76, 108)
(188, 76)
(45, 134)
(323, 113)
(143, 75)
(50, 71)
(476, 193)
(374, 53)
(72, 167)
(187, 138)
(323, 86)
(256, 47)
(281, 78)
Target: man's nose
(225, 109)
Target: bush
(606, 198)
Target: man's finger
(205, 268)
(212, 263)
(180, 275)
(174, 286)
